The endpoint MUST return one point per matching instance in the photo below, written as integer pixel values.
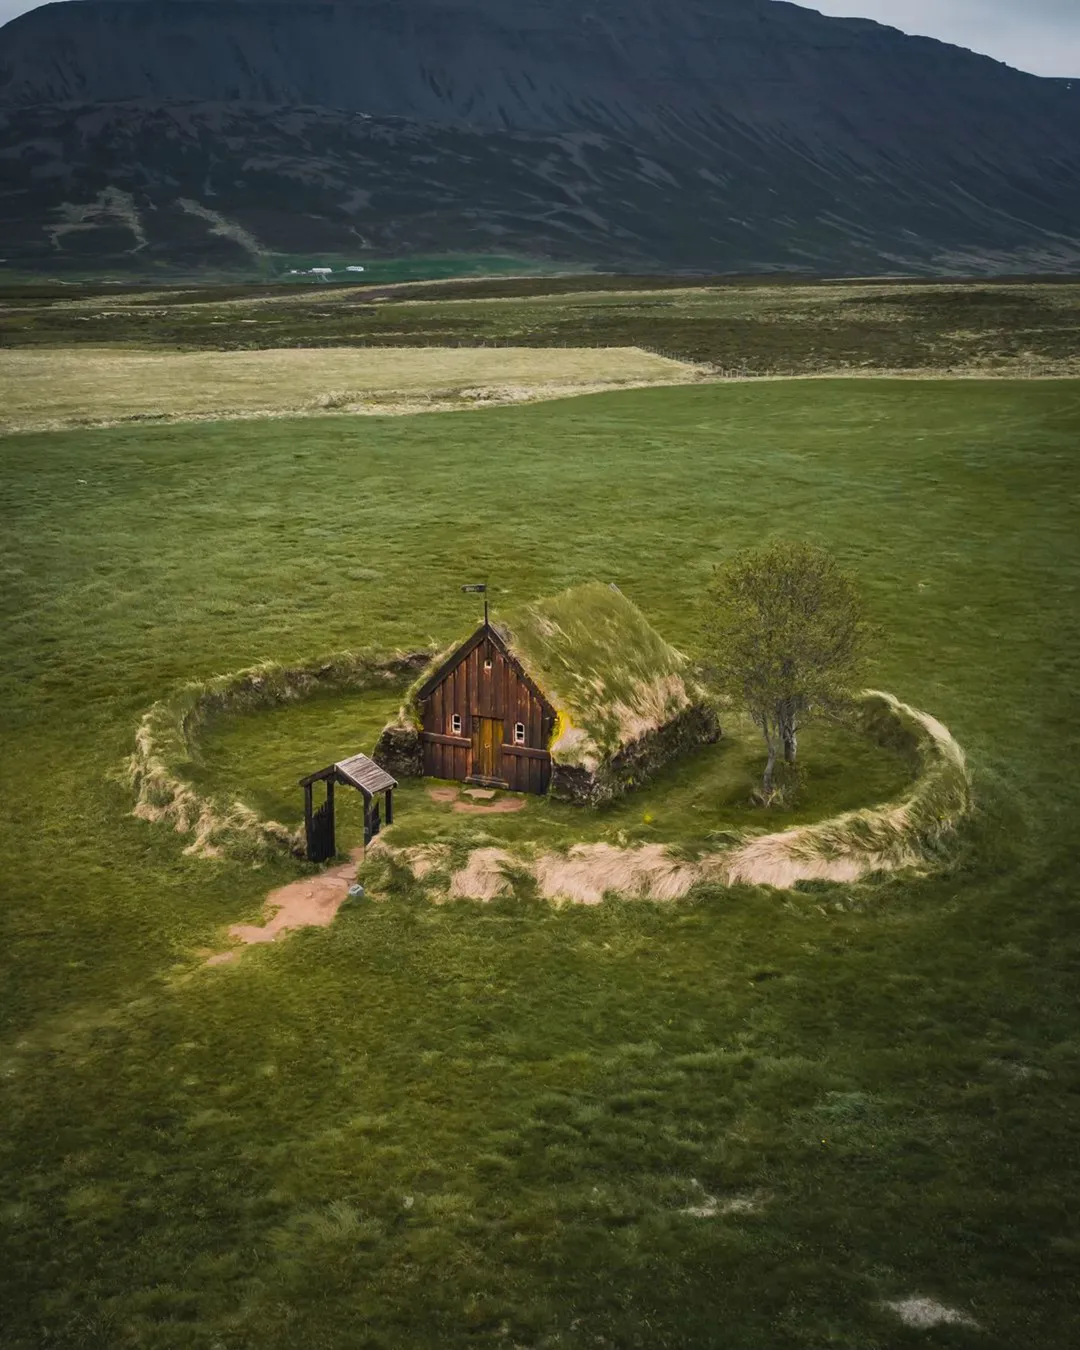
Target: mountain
(699, 134)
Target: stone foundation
(635, 763)
(400, 751)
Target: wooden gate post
(359, 772)
(309, 822)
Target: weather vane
(479, 588)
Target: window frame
(455, 724)
(519, 733)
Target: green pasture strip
(275, 269)
(380, 271)
(771, 327)
(469, 1125)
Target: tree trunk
(770, 733)
(770, 769)
(787, 715)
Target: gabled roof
(358, 771)
(434, 673)
(594, 657)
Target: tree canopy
(785, 636)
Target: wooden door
(487, 748)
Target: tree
(785, 637)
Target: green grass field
(464, 1125)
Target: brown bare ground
(712, 1207)
(444, 794)
(311, 902)
(508, 804)
(93, 386)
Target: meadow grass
(468, 1125)
(66, 387)
(749, 328)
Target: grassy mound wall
(907, 833)
(611, 676)
(635, 763)
(912, 832)
(165, 746)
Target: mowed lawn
(488, 1126)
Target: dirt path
(311, 902)
(449, 796)
(494, 809)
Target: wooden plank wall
(471, 691)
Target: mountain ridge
(358, 116)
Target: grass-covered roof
(608, 673)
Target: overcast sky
(1042, 36)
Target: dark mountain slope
(709, 133)
(537, 65)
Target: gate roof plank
(358, 771)
(364, 773)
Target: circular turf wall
(907, 833)
(166, 737)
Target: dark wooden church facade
(484, 720)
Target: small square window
(519, 733)
(455, 723)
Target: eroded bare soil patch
(311, 902)
(499, 808)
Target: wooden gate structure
(361, 772)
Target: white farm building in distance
(321, 271)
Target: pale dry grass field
(71, 387)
